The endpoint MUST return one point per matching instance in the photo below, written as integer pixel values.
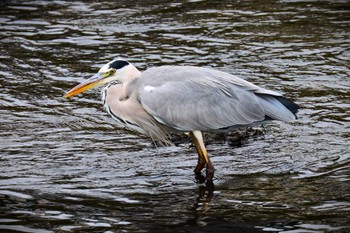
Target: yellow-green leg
(203, 158)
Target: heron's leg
(203, 158)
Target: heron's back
(190, 98)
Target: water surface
(66, 167)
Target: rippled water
(66, 167)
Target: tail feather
(290, 105)
(278, 107)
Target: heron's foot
(209, 172)
(206, 191)
(209, 175)
(199, 177)
(210, 188)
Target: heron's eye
(111, 72)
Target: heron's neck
(130, 74)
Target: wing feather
(193, 98)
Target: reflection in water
(241, 203)
(65, 167)
(205, 195)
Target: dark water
(65, 166)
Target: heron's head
(116, 70)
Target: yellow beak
(94, 81)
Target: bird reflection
(202, 205)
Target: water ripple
(65, 166)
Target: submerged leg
(203, 158)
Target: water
(66, 167)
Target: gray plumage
(189, 98)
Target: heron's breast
(120, 108)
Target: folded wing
(192, 98)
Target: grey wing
(205, 99)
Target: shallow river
(66, 167)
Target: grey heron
(190, 99)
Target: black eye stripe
(118, 64)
